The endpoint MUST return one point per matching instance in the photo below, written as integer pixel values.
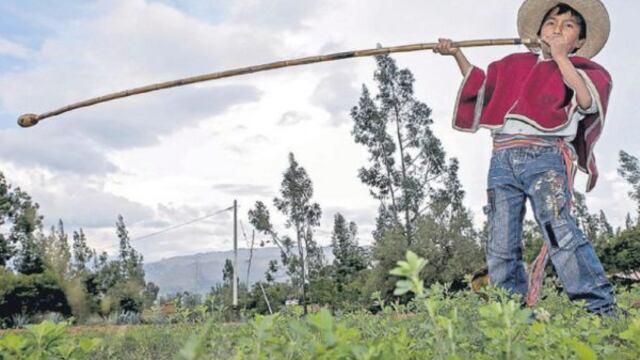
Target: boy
(544, 109)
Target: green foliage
(227, 272)
(52, 278)
(30, 294)
(349, 261)
(532, 240)
(632, 335)
(630, 170)
(145, 342)
(82, 254)
(20, 214)
(196, 346)
(447, 241)
(277, 293)
(302, 216)
(409, 269)
(405, 157)
(442, 325)
(46, 340)
(622, 253)
(349, 258)
(421, 197)
(130, 260)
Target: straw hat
(594, 13)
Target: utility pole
(235, 254)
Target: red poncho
(535, 92)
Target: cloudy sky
(168, 157)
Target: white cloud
(79, 201)
(167, 157)
(292, 118)
(274, 15)
(336, 94)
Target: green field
(435, 324)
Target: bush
(30, 295)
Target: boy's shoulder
(587, 63)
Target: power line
(243, 233)
(181, 225)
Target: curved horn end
(27, 120)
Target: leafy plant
(20, 320)
(410, 270)
(46, 340)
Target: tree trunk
(302, 261)
(404, 171)
(394, 206)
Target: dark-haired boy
(545, 109)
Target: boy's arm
(575, 81)
(473, 92)
(464, 64)
(445, 47)
(560, 48)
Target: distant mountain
(199, 272)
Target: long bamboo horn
(28, 120)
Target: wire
(243, 233)
(172, 227)
(181, 225)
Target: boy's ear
(580, 43)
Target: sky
(168, 157)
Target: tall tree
(302, 216)
(130, 261)
(20, 214)
(272, 270)
(621, 253)
(349, 258)
(447, 231)
(30, 258)
(630, 170)
(82, 254)
(151, 291)
(227, 272)
(58, 255)
(532, 240)
(628, 222)
(405, 156)
(606, 230)
(108, 274)
(260, 218)
(587, 222)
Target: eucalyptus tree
(302, 216)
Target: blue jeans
(538, 173)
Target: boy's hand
(558, 46)
(444, 47)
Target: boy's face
(563, 25)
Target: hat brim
(532, 12)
